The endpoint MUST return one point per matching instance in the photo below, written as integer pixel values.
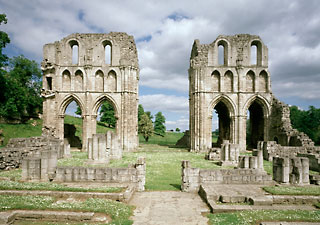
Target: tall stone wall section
(18, 149)
(231, 88)
(89, 81)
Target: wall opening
(49, 83)
(263, 81)
(256, 53)
(253, 55)
(221, 124)
(106, 119)
(255, 125)
(73, 125)
(221, 55)
(75, 54)
(107, 52)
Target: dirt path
(168, 207)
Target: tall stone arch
(88, 82)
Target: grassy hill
(33, 128)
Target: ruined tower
(78, 69)
(231, 87)
(231, 76)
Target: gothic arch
(100, 100)
(99, 80)
(226, 100)
(225, 44)
(263, 81)
(216, 83)
(67, 100)
(263, 103)
(258, 45)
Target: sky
(164, 32)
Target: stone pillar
(97, 151)
(141, 173)
(66, 149)
(305, 170)
(89, 148)
(190, 178)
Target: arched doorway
(221, 126)
(73, 125)
(255, 125)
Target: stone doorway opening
(223, 123)
(255, 125)
(73, 125)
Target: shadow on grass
(177, 186)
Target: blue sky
(164, 32)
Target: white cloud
(161, 102)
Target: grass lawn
(293, 190)
(30, 129)
(119, 212)
(256, 216)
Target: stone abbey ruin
(233, 89)
(90, 80)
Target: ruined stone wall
(192, 178)
(233, 86)
(133, 174)
(18, 149)
(280, 129)
(90, 81)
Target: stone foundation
(135, 174)
(192, 178)
(294, 170)
(229, 153)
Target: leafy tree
(145, 127)
(149, 115)
(306, 121)
(21, 91)
(177, 129)
(159, 127)
(78, 111)
(140, 111)
(4, 40)
(107, 114)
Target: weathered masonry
(90, 69)
(231, 76)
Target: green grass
(164, 165)
(15, 185)
(119, 212)
(293, 190)
(257, 216)
(30, 129)
(169, 139)
(13, 174)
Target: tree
(4, 40)
(306, 121)
(159, 127)
(149, 115)
(145, 127)
(78, 111)
(107, 114)
(177, 129)
(140, 112)
(21, 91)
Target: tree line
(306, 121)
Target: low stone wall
(133, 174)
(192, 178)
(314, 161)
(20, 148)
